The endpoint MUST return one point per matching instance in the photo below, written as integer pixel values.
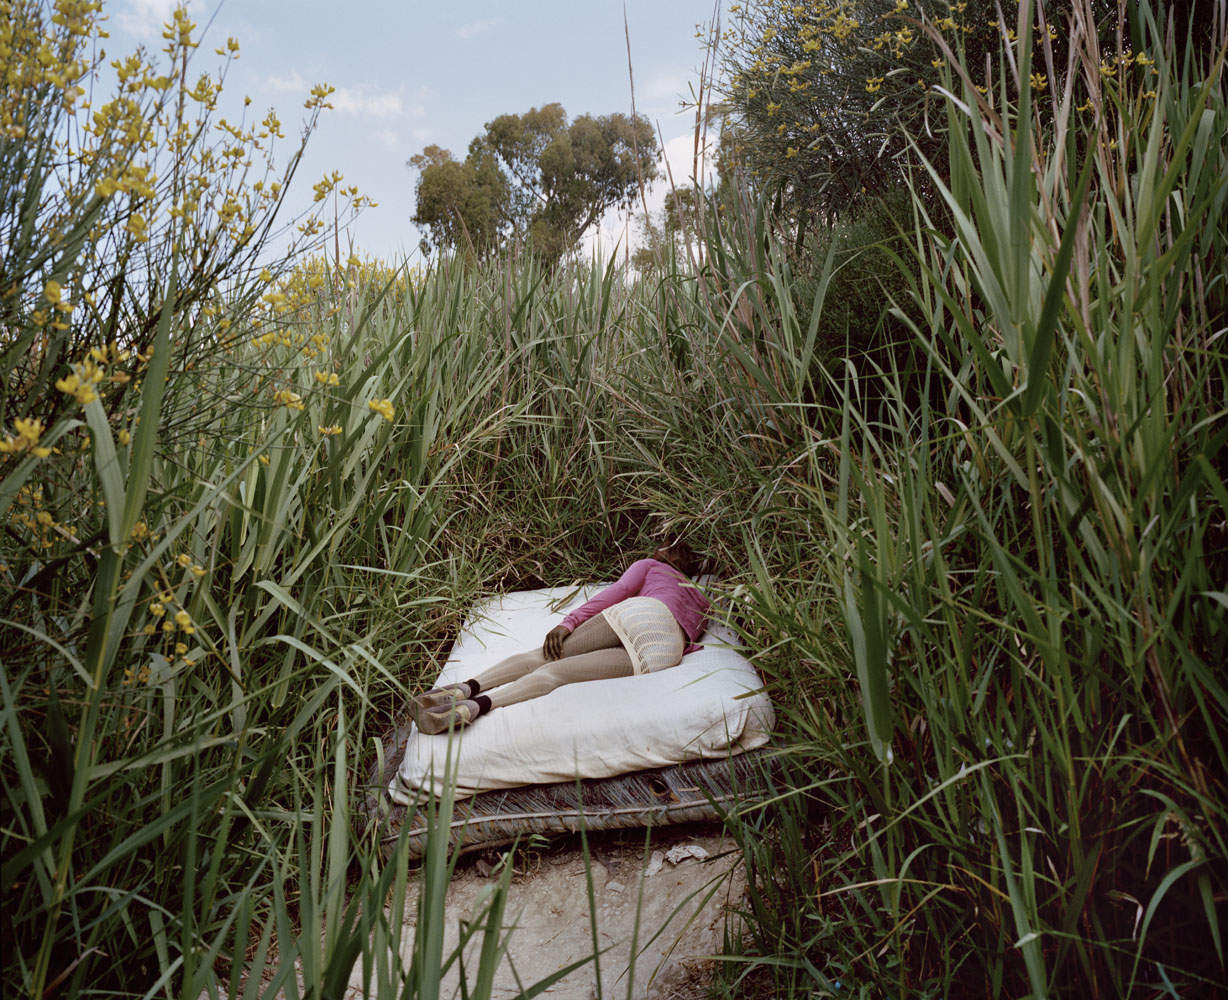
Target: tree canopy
(461, 203)
(533, 178)
(661, 237)
(824, 100)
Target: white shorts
(648, 631)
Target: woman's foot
(432, 721)
(441, 697)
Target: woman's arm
(628, 585)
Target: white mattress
(710, 705)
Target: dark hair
(691, 563)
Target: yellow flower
(319, 95)
(52, 292)
(90, 372)
(874, 84)
(1040, 81)
(327, 378)
(80, 389)
(29, 430)
(383, 407)
(124, 437)
(330, 431)
(184, 560)
(790, 152)
(198, 571)
(264, 459)
(157, 609)
(182, 618)
(150, 629)
(138, 228)
(168, 626)
(291, 400)
(843, 27)
(181, 648)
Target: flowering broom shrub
(825, 100)
(133, 265)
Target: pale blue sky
(414, 73)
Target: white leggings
(592, 652)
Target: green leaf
(1045, 333)
(153, 388)
(106, 462)
(865, 621)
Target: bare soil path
(681, 887)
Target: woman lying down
(647, 621)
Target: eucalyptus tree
(533, 178)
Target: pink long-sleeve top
(651, 578)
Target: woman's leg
(591, 635)
(592, 652)
(597, 665)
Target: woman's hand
(553, 646)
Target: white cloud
(681, 158)
(352, 100)
(293, 83)
(619, 231)
(478, 27)
(358, 101)
(145, 18)
(389, 137)
(665, 89)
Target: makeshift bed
(669, 747)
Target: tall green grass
(176, 808)
(1018, 760)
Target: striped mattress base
(681, 793)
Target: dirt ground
(681, 912)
